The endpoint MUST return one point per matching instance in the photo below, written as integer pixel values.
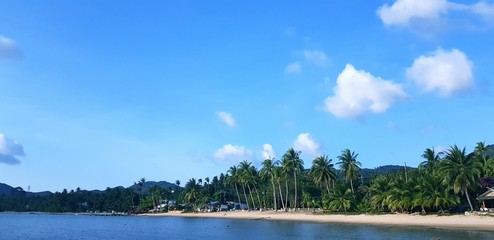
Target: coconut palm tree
(294, 164)
(462, 169)
(267, 171)
(431, 160)
(433, 193)
(349, 166)
(233, 179)
(286, 172)
(191, 192)
(323, 172)
(246, 178)
(341, 199)
(277, 175)
(481, 153)
(402, 194)
(379, 191)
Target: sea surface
(45, 226)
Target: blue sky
(96, 94)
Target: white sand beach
(485, 223)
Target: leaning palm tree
(323, 172)
(277, 174)
(462, 169)
(267, 171)
(295, 164)
(233, 179)
(246, 178)
(349, 166)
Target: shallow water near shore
(45, 226)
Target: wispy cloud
(8, 48)
(357, 92)
(293, 68)
(404, 13)
(227, 118)
(10, 150)
(444, 71)
(315, 57)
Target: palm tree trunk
(238, 195)
(274, 194)
(468, 199)
(286, 192)
(281, 194)
(252, 198)
(327, 188)
(246, 200)
(351, 184)
(296, 196)
(258, 199)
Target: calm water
(34, 226)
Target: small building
(487, 199)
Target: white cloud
(268, 152)
(446, 72)
(307, 145)
(227, 118)
(8, 48)
(9, 150)
(232, 154)
(293, 68)
(404, 12)
(315, 57)
(357, 92)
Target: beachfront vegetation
(444, 181)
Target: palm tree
(379, 191)
(323, 172)
(191, 192)
(463, 170)
(431, 160)
(349, 166)
(341, 199)
(295, 164)
(233, 179)
(277, 174)
(286, 171)
(481, 153)
(267, 171)
(140, 185)
(402, 193)
(433, 193)
(246, 178)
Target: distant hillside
(5, 189)
(149, 184)
(9, 190)
(369, 173)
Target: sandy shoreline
(484, 223)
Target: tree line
(444, 181)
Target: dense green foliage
(444, 181)
(119, 199)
